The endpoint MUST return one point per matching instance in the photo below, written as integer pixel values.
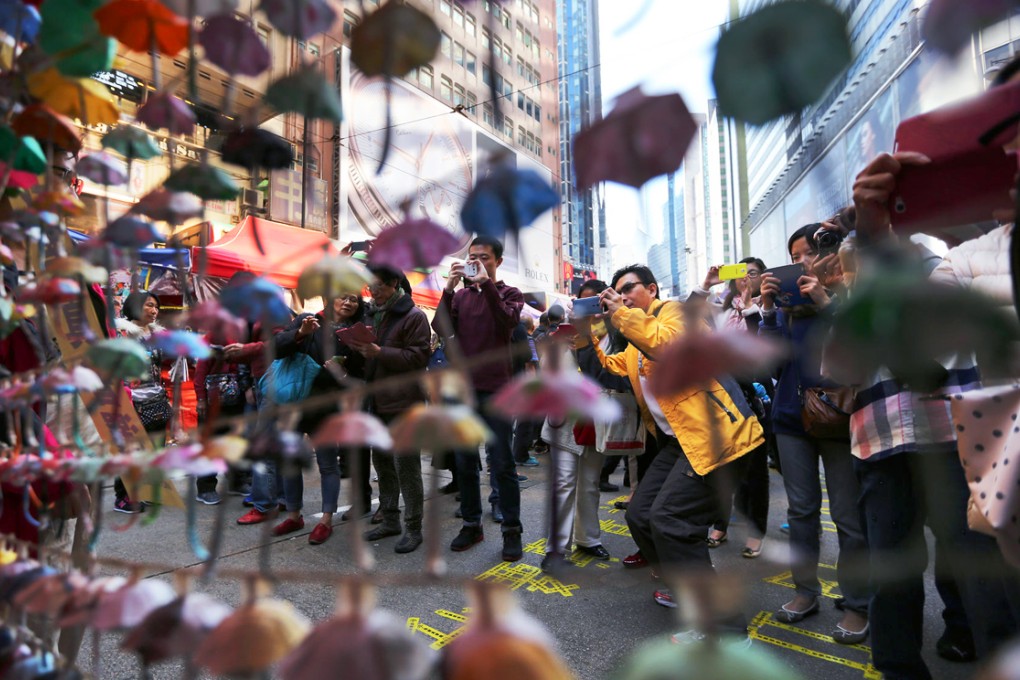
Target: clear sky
(665, 46)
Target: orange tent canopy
(289, 250)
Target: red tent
(288, 251)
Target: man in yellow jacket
(703, 433)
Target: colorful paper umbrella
(642, 138)
(506, 201)
(333, 276)
(353, 429)
(61, 201)
(175, 629)
(102, 168)
(71, 34)
(131, 232)
(558, 395)
(234, 46)
(25, 152)
(696, 359)
(164, 110)
(174, 207)
(205, 181)
(79, 378)
(49, 292)
(75, 266)
(180, 344)
(20, 21)
(257, 300)
(307, 93)
(203, 8)
(129, 605)
(120, 358)
(300, 19)
(664, 659)
(779, 59)
(19, 179)
(188, 459)
(48, 126)
(81, 98)
(257, 148)
(131, 143)
(255, 636)
(948, 26)
(413, 244)
(438, 429)
(221, 326)
(143, 26)
(377, 645)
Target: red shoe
(635, 561)
(289, 525)
(253, 516)
(320, 534)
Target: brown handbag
(825, 411)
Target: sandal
(848, 637)
(751, 553)
(716, 542)
(785, 615)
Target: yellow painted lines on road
(830, 587)
(439, 638)
(765, 628)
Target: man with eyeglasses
(703, 434)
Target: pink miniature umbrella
(695, 359)
(413, 244)
(300, 19)
(127, 606)
(222, 327)
(353, 429)
(19, 179)
(234, 46)
(557, 395)
(642, 138)
(949, 24)
(164, 110)
(175, 629)
(77, 379)
(164, 205)
(189, 460)
(49, 594)
(79, 608)
(54, 291)
(102, 168)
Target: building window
(508, 128)
(506, 20)
(458, 54)
(446, 88)
(486, 37)
(486, 75)
(472, 104)
(469, 24)
(350, 21)
(444, 7)
(470, 62)
(458, 95)
(520, 101)
(458, 15)
(487, 116)
(425, 77)
(508, 88)
(446, 45)
(538, 113)
(264, 34)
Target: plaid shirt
(888, 419)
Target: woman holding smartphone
(800, 453)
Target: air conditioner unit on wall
(252, 197)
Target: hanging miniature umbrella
(234, 46)
(24, 152)
(352, 429)
(144, 26)
(948, 26)
(391, 42)
(300, 19)
(131, 143)
(174, 207)
(18, 179)
(438, 429)
(129, 605)
(506, 201)
(257, 148)
(43, 123)
(642, 138)
(188, 459)
(74, 267)
(49, 594)
(81, 98)
(79, 379)
(131, 233)
(779, 59)
(102, 168)
(203, 8)
(665, 660)
(205, 181)
(255, 636)
(558, 395)
(257, 300)
(333, 276)
(20, 21)
(180, 344)
(11, 586)
(413, 244)
(78, 609)
(175, 629)
(120, 358)
(228, 448)
(696, 359)
(71, 35)
(164, 110)
(62, 201)
(287, 449)
(54, 291)
(221, 326)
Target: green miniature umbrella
(779, 59)
(131, 143)
(121, 358)
(71, 34)
(306, 92)
(333, 276)
(205, 181)
(25, 152)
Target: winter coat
(981, 264)
(404, 338)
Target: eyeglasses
(627, 287)
(752, 274)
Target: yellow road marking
(765, 619)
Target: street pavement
(596, 618)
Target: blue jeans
(503, 472)
(899, 495)
(268, 487)
(800, 457)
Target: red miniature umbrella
(45, 124)
(642, 138)
(142, 25)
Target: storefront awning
(288, 251)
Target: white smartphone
(470, 269)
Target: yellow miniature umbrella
(82, 98)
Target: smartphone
(360, 246)
(789, 290)
(728, 272)
(470, 269)
(358, 333)
(589, 306)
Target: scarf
(383, 309)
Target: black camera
(828, 241)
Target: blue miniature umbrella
(180, 344)
(257, 300)
(19, 20)
(506, 201)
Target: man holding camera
(482, 316)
